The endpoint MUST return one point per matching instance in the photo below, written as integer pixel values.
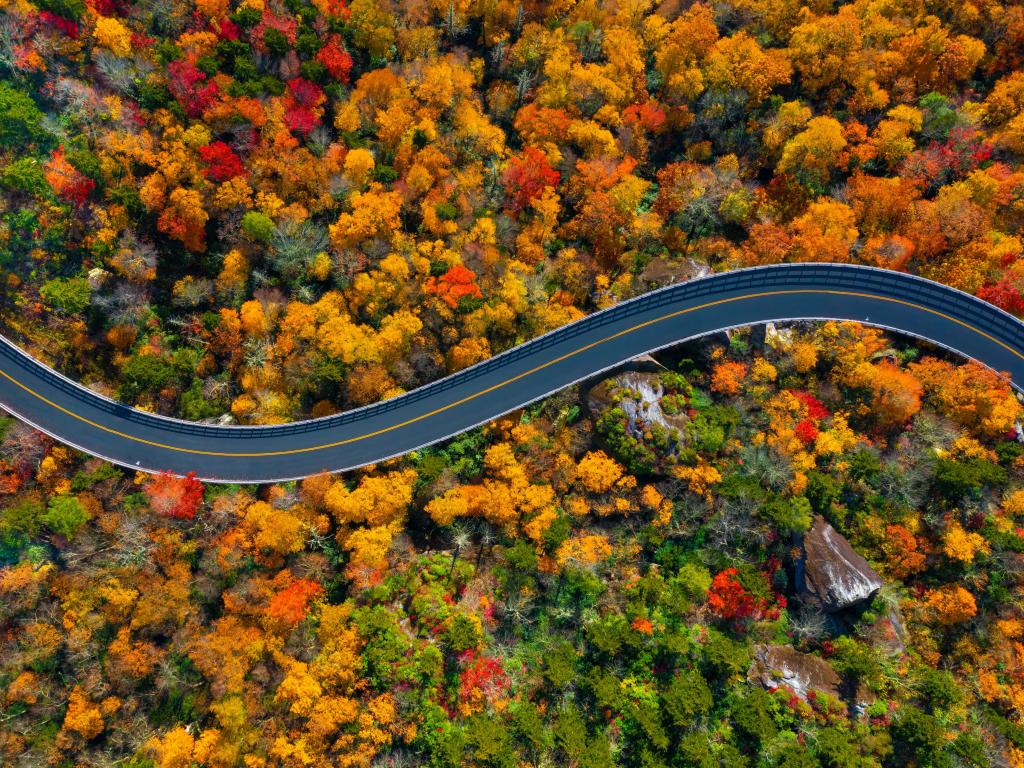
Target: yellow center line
(510, 380)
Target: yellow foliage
(815, 151)
(83, 716)
(584, 551)
(598, 472)
(804, 355)
(376, 500)
(358, 165)
(1013, 502)
(113, 35)
(299, 689)
(738, 62)
(24, 689)
(958, 544)
(701, 478)
(951, 604)
(274, 530)
(173, 750)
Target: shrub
(258, 226)
(70, 295)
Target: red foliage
(68, 183)
(815, 409)
(526, 176)
(481, 673)
(1006, 294)
(649, 115)
(189, 86)
(729, 599)
(177, 497)
(108, 7)
(806, 431)
(227, 30)
(222, 164)
(963, 152)
(455, 284)
(336, 9)
(336, 59)
(301, 103)
(289, 606)
(66, 27)
(140, 41)
(285, 26)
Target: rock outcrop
(776, 666)
(830, 573)
(639, 395)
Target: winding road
(89, 422)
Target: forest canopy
(254, 212)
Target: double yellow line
(510, 380)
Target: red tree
(815, 408)
(806, 431)
(1006, 294)
(526, 176)
(301, 104)
(221, 163)
(177, 497)
(336, 59)
(189, 86)
(730, 600)
(455, 284)
(289, 606)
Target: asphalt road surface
(82, 419)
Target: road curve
(80, 418)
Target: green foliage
(753, 716)
(490, 742)
(937, 688)
(21, 121)
(788, 515)
(18, 524)
(65, 515)
(560, 664)
(570, 732)
(196, 406)
(258, 226)
(144, 374)
(855, 660)
(461, 633)
(708, 430)
(955, 479)
(724, 658)
(865, 465)
(70, 295)
(25, 175)
(528, 728)
(918, 739)
(638, 458)
(687, 698)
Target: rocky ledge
(777, 666)
(830, 573)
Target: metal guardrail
(896, 285)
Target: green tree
(65, 515)
(69, 295)
(21, 122)
(687, 698)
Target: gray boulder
(830, 573)
(776, 666)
